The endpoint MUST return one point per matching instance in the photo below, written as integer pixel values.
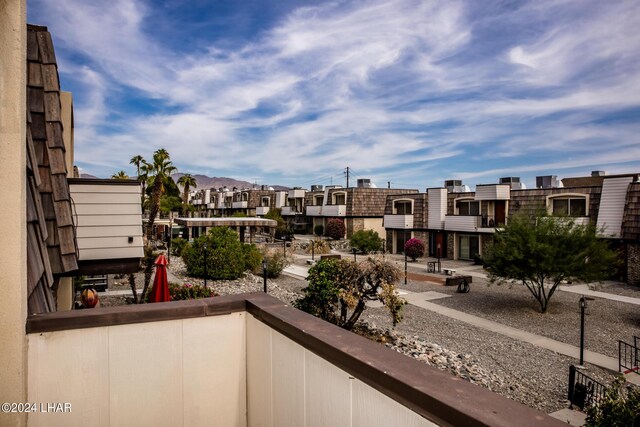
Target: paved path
(584, 290)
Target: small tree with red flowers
(414, 248)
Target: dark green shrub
(366, 241)
(414, 248)
(620, 406)
(177, 245)
(227, 257)
(339, 289)
(276, 262)
(283, 231)
(239, 215)
(189, 291)
(335, 229)
(318, 230)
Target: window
(468, 247)
(403, 207)
(339, 199)
(265, 202)
(468, 207)
(569, 206)
(318, 200)
(245, 197)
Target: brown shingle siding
(631, 218)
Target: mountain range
(218, 182)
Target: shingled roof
(51, 245)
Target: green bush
(276, 262)
(177, 245)
(366, 241)
(620, 407)
(318, 230)
(189, 291)
(335, 229)
(227, 257)
(338, 290)
(283, 231)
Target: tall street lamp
(583, 306)
(312, 251)
(354, 250)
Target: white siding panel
(108, 209)
(111, 253)
(327, 393)
(145, 374)
(398, 221)
(79, 376)
(437, 208)
(113, 231)
(493, 192)
(288, 382)
(105, 198)
(259, 383)
(612, 200)
(214, 374)
(108, 242)
(314, 210)
(374, 409)
(462, 223)
(95, 220)
(124, 189)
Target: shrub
(189, 291)
(335, 229)
(366, 241)
(339, 289)
(319, 247)
(239, 215)
(620, 406)
(276, 262)
(414, 248)
(177, 245)
(227, 257)
(318, 230)
(283, 232)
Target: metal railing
(583, 390)
(629, 356)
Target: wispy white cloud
(402, 87)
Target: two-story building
(361, 207)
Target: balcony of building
(290, 210)
(262, 210)
(398, 221)
(296, 194)
(468, 223)
(240, 205)
(334, 210)
(242, 360)
(314, 210)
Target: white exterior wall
(289, 386)
(280, 199)
(612, 201)
(13, 251)
(398, 221)
(106, 216)
(493, 192)
(188, 372)
(437, 208)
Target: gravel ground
(606, 321)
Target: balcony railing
(240, 205)
(314, 210)
(290, 210)
(398, 221)
(262, 210)
(241, 360)
(334, 210)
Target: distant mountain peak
(205, 182)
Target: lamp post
(312, 251)
(354, 250)
(264, 274)
(170, 236)
(206, 273)
(583, 306)
(405, 256)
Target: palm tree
(138, 161)
(158, 173)
(120, 175)
(187, 181)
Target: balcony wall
(240, 205)
(236, 361)
(462, 223)
(493, 192)
(296, 194)
(262, 210)
(398, 221)
(288, 210)
(314, 210)
(334, 210)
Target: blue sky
(412, 92)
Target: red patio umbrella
(160, 290)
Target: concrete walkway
(584, 290)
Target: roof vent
(514, 182)
(455, 186)
(547, 181)
(316, 187)
(365, 183)
(598, 173)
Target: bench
(449, 271)
(462, 282)
(431, 266)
